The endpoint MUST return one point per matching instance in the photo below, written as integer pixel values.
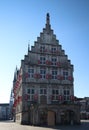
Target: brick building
(43, 87)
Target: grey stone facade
(43, 87)
(4, 111)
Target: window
(65, 74)
(43, 73)
(53, 49)
(28, 91)
(42, 48)
(66, 94)
(54, 74)
(43, 91)
(42, 60)
(30, 94)
(54, 60)
(32, 91)
(31, 72)
(55, 94)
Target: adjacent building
(11, 105)
(84, 109)
(4, 111)
(43, 86)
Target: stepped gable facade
(43, 87)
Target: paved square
(9, 125)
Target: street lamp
(32, 108)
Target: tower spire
(47, 19)
(48, 22)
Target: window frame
(42, 60)
(42, 48)
(55, 94)
(66, 93)
(53, 61)
(43, 73)
(30, 94)
(65, 74)
(54, 74)
(43, 91)
(31, 72)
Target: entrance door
(67, 117)
(43, 117)
(51, 118)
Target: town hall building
(43, 86)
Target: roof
(4, 104)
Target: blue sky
(22, 21)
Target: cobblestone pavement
(8, 125)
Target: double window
(42, 60)
(43, 91)
(53, 49)
(54, 74)
(66, 94)
(30, 94)
(54, 61)
(31, 72)
(42, 48)
(55, 93)
(43, 73)
(30, 91)
(65, 75)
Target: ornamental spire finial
(48, 26)
(47, 19)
